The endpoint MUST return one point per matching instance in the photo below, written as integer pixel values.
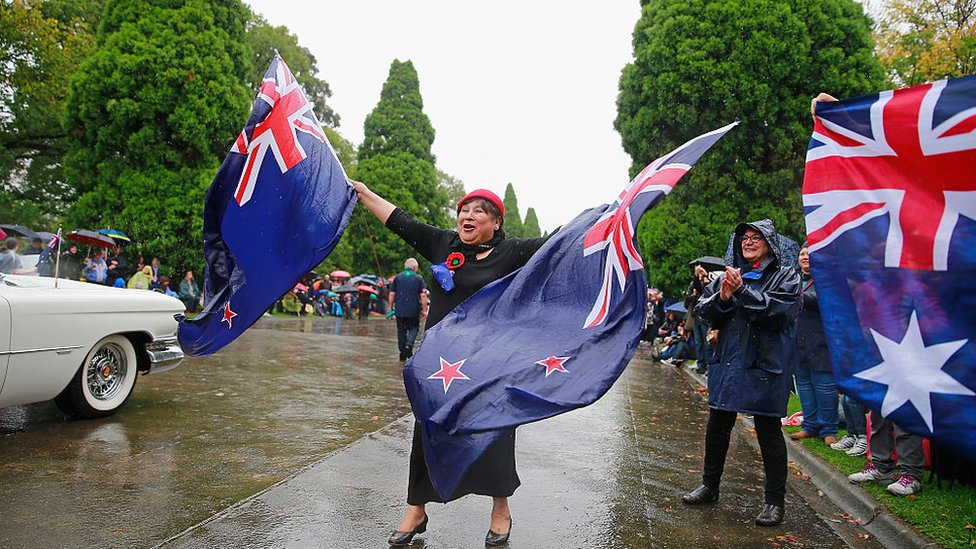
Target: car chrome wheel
(104, 380)
(105, 371)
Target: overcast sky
(517, 91)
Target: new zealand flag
(276, 208)
(890, 201)
(548, 338)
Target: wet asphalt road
(296, 436)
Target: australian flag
(890, 201)
(548, 338)
(276, 208)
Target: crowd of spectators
(323, 295)
(107, 267)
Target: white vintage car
(81, 344)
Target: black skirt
(493, 474)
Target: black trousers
(407, 328)
(772, 446)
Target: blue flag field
(276, 208)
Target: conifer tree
(513, 221)
(530, 227)
(395, 161)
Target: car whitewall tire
(103, 382)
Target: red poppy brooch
(454, 261)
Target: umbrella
(90, 238)
(365, 279)
(115, 235)
(339, 274)
(676, 308)
(710, 263)
(18, 230)
(366, 288)
(45, 236)
(346, 289)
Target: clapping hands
(731, 283)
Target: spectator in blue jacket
(754, 306)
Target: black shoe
(399, 538)
(771, 515)
(702, 494)
(494, 540)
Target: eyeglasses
(755, 239)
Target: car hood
(99, 298)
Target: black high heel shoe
(400, 538)
(494, 540)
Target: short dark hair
(490, 208)
(11, 243)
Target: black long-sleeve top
(434, 244)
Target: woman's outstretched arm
(375, 203)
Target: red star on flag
(449, 372)
(228, 315)
(554, 364)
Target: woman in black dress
(488, 256)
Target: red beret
(485, 194)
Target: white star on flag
(913, 371)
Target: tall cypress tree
(701, 64)
(151, 113)
(513, 220)
(395, 161)
(530, 227)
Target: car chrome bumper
(164, 354)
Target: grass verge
(947, 516)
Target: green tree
(513, 220)
(699, 65)
(151, 113)
(41, 44)
(454, 188)
(924, 40)
(530, 227)
(396, 161)
(264, 40)
(342, 255)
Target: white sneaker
(906, 485)
(870, 473)
(845, 443)
(668, 361)
(860, 446)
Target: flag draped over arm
(276, 208)
(890, 200)
(548, 338)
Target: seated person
(669, 327)
(676, 349)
